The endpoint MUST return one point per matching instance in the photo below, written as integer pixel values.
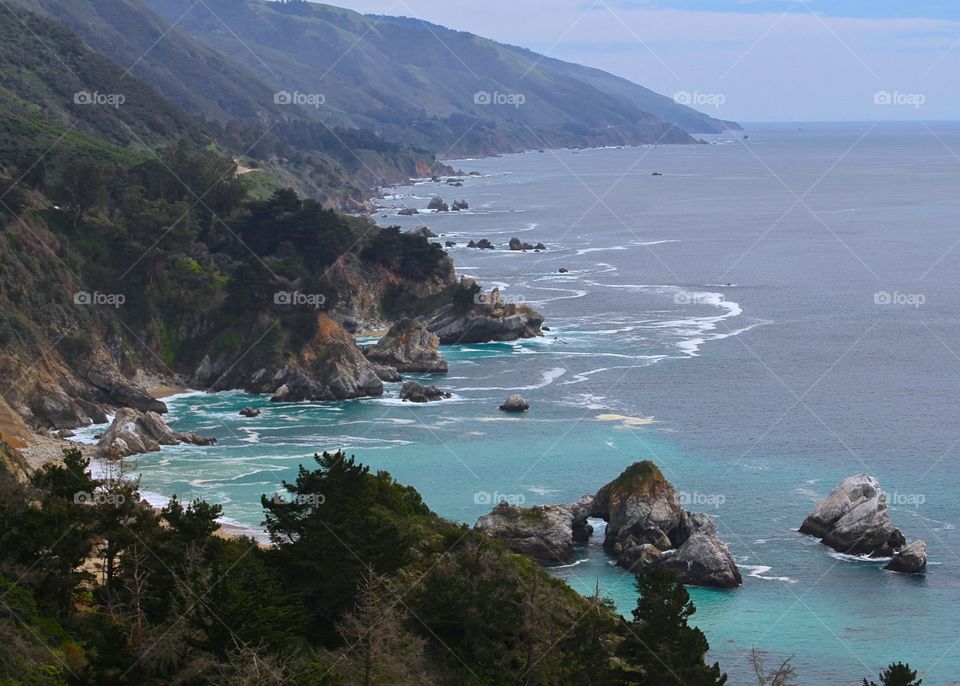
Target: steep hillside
(50, 79)
(336, 166)
(449, 91)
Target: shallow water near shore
(726, 320)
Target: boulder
(640, 499)
(460, 205)
(133, 432)
(910, 559)
(543, 532)
(563, 270)
(482, 244)
(249, 412)
(515, 403)
(704, 560)
(854, 519)
(386, 374)
(450, 244)
(408, 347)
(416, 392)
(408, 211)
(437, 203)
(648, 527)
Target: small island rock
(515, 403)
(911, 559)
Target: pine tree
(898, 674)
(662, 647)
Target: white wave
(547, 378)
(572, 564)
(668, 240)
(586, 251)
(858, 558)
(758, 572)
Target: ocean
(768, 316)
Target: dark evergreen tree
(661, 647)
(898, 674)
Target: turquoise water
(713, 324)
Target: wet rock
(450, 244)
(704, 560)
(563, 270)
(854, 519)
(911, 559)
(460, 205)
(250, 412)
(386, 374)
(133, 432)
(486, 318)
(415, 392)
(437, 203)
(515, 403)
(409, 347)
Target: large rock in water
(646, 528)
(543, 532)
(704, 560)
(515, 403)
(911, 559)
(854, 519)
(408, 347)
(133, 432)
(416, 392)
(487, 318)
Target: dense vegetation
(363, 585)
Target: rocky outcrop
(386, 374)
(854, 519)
(517, 244)
(415, 392)
(331, 366)
(911, 559)
(459, 205)
(704, 560)
(646, 528)
(543, 532)
(486, 318)
(250, 412)
(437, 203)
(408, 211)
(408, 347)
(450, 244)
(515, 403)
(482, 244)
(133, 432)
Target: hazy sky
(766, 59)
